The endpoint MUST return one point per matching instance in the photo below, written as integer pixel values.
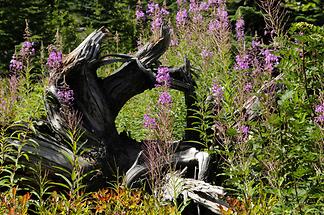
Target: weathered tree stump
(98, 102)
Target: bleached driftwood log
(198, 191)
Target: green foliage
(11, 163)
(306, 11)
(72, 19)
(130, 118)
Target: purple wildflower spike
(217, 91)
(205, 54)
(65, 95)
(149, 122)
(245, 130)
(239, 27)
(204, 6)
(163, 76)
(181, 17)
(319, 108)
(242, 62)
(319, 119)
(27, 49)
(54, 60)
(140, 15)
(270, 60)
(248, 87)
(15, 64)
(152, 7)
(165, 98)
(213, 26)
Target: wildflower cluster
(182, 17)
(65, 95)
(221, 22)
(162, 77)
(248, 87)
(242, 61)
(163, 80)
(164, 101)
(217, 92)
(165, 98)
(270, 60)
(27, 49)
(244, 129)
(149, 122)
(257, 58)
(25, 53)
(15, 90)
(154, 12)
(139, 13)
(239, 27)
(54, 61)
(158, 151)
(16, 64)
(206, 54)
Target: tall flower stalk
(159, 149)
(157, 14)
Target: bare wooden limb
(199, 191)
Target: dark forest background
(74, 19)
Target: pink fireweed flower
(163, 76)
(270, 60)
(319, 108)
(149, 122)
(239, 27)
(27, 49)
(248, 87)
(204, 6)
(222, 16)
(197, 18)
(221, 22)
(217, 91)
(165, 98)
(65, 95)
(205, 54)
(255, 44)
(54, 60)
(157, 14)
(15, 64)
(213, 2)
(242, 62)
(213, 26)
(140, 15)
(245, 130)
(164, 12)
(152, 7)
(193, 6)
(181, 17)
(320, 119)
(156, 23)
